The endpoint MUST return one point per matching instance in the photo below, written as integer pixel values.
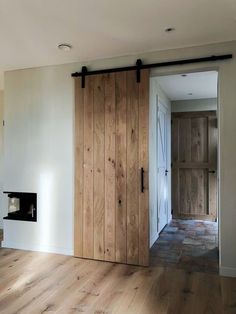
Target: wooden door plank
(133, 175)
(192, 165)
(99, 167)
(185, 191)
(175, 170)
(175, 192)
(121, 213)
(193, 114)
(185, 140)
(212, 141)
(79, 169)
(175, 139)
(143, 163)
(110, 167)
(199, 139)
(88, 219)
(199, 192)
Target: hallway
(187, 244)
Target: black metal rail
(139, 66)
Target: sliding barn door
(111, 140)
(194, 165)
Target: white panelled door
(162, 166)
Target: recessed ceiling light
(64, 47)
(169, 29)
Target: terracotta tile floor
(187, 244)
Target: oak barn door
(194, 165)
(111, 150)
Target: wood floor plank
(112, 293)
(28, 291)
(50, 283)
(228, 293)
(136, 291)
(78, 299)
(29, 275)
(52, 298)
(158, 298)
(207, 288)
(22, 261)
(98, 294)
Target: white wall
(194, 105)
(39, 142)
(39, 156)
(156, 95)
(2, 208)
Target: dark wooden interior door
(194, 165)
(111, 157)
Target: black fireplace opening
(22, 206)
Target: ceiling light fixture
(64, 47)
(169, 29)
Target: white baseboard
(38, 248)
(227, 271)
(153, 239)
(169, 218)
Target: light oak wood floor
(32, 282)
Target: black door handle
(211, 171)
(166, 172)
(142, 180)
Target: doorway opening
(183, 171)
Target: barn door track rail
(140, 66)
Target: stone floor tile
(189, 245)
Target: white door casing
(162, 166)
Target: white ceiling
(200, 85)
(30, 30)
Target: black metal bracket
(84, 71)
(139, 65)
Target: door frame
(191, 68)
